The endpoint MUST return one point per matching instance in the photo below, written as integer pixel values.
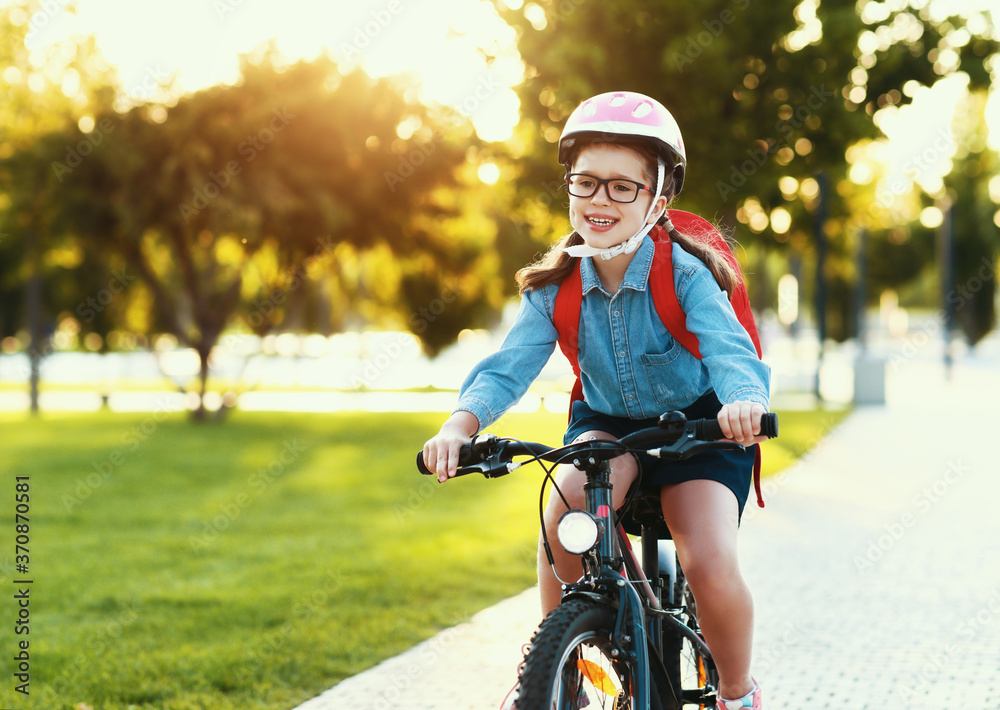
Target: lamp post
(946, 251)
(820, 301)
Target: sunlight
(198, 42)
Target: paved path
(874, 568)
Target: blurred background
(208, 205)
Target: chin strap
(633, 242)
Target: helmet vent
(617, 100)
(589, 108)
(642, 110)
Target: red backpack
(569, 301)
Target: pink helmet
(632, 116)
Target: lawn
(256, 562)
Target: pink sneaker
(753, 700)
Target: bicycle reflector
(578, 531)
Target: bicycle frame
(608, 557)
(606, 563)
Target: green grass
(254, 563)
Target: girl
(625, 163)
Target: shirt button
(622, 353)
(617, 313)
(631, 397)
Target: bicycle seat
(644, 509)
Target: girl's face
(601, 221)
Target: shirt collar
(636, 275)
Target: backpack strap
(756, 478)
(697, 226)
(566, 318)
(661, 284)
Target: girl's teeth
(602, 222)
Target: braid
(724, 273)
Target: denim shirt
(630, 365)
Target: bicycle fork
(630, 617)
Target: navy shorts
(732, 468)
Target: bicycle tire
(688, 668)
(571, 658)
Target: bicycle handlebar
(676, 437)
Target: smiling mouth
(601, 221)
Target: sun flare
(443, 44)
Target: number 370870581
(22, 523)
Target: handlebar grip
(709, 429)
(464, 459)
(769, 425)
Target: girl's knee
(712, 575)
(569, 482)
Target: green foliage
(33, 242)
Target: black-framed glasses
(617, 189)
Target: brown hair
(555, 265)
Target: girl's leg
(703, 517)
(571, 480)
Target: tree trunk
(200, 414)
(33, 300)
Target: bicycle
(625, 635)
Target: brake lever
(492, 464)
(687, 445)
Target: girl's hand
(441, 452)
(740, 422)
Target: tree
(48, 91)
(239, 202)
(974, 233)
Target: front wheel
(571, 665)
(691, 673)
